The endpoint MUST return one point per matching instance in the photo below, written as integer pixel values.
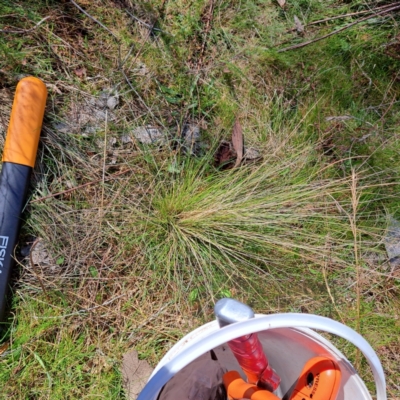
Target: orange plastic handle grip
(237, 388)
(319, 380)
(26, 120)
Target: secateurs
(319, 379)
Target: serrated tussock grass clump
(215, 231)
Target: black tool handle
(14, 182)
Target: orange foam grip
(237, 388)
(26, 120)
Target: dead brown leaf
(281, 3)
(135, 374)
(4, 347)
(225, 155)
(237, 141)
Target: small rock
(251, 153)
(112, 141)
(100, 115)
(114, 158)
(25, 250)
(125, 139)
(108, 98)
(112, 102)
(141, 69)
(191, 137)
(392, 242)
(39, 254)
(92, 102)
(70, 184)
(101, 101)
(149, 135)
(62, 127)
(191, 134)
(90, 130)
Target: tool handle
(19, 157)
(25, 122)
(247, 350)
(237, 388)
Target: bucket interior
(287, 350)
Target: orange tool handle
(319, 380)
(237, 388)
(26, 119)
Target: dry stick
(104, 163)
(148, 26)
(81, 186)
(298, 46)
(328, 287)
(25, 30)
(139, 97)
(121, 63)
(93, 18)
(321, 21)
(85, 310)
(353, 218)
(207, 31)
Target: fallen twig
(93, 19)
(321, 21)
(81, 186)
(304, 44)
(25, 30)
(206, 32)
(151, 27)
(373, 10)
(83, 310)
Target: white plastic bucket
(288, 343)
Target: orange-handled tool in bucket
(237, 388)
(319, 380)
(247, 349)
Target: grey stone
(101, 101)
(25, 250)
(40, 254)
(191, 134)
(112, 141)
(112, 102)
(62, 127)
(90, 130)
(191, 138)
(149, 135)
(108, 98)
(125, 139)
(100, 115)
(392, 242)
(251, 153)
